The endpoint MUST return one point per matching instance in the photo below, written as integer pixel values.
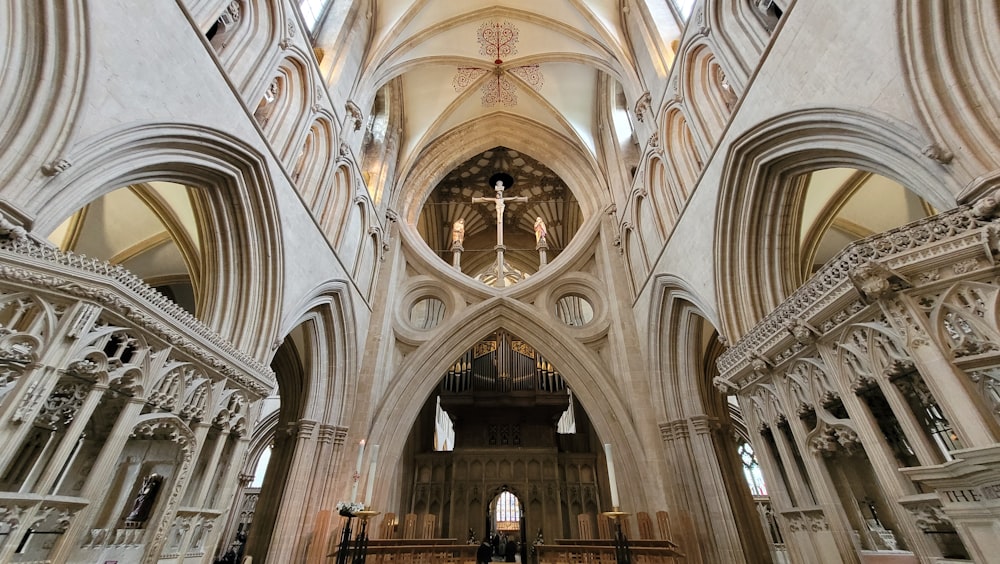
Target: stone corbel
(643, 105)
(56, 167)
(354, 114)
(803, 332)
(874, 280)
(938, 153)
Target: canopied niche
(524, 237)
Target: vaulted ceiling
(458, 61)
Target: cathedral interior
(720, 276)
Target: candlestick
(370, 486)
(611, 476)
(357, 472)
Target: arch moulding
(419, 374)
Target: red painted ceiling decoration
(498, 40)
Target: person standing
(485, 553)
(510, 552)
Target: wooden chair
(645, 526)
(410, 526)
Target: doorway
(505, 521)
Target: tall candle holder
(344, 551)
(361, 541)
(622, 553)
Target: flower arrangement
(349, 508)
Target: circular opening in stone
(427, 313)
(574, 310)
(465, 217)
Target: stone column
(97, 486)
(288, 527)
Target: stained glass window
(508, 510)
(751, 470)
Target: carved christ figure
(500, 203)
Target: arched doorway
(505, 518)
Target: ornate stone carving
(56, 167)
(145, 294)
(833, 439)
(354, 115)
(643, 105)
(937, 153)
(12, 231)
(803, 332)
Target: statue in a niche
(458, 232)
(144, 500)
(540, 230)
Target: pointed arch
(238, 203)
(757, 215)
(284, 107)
(738, 37)
(700, 90)
(42, 96)
(419, 373)
(944, 45)
(311, 171)
(685, 163)
(674, 303)
(248, 52)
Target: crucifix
(500, 203)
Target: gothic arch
(45, 89)
(700, 89)
(247, 57)
(661, 210)
(311, 172)
(333, 208)
(284, 123)
(647, 227)
(683, 350)
(330, 361)
(676, 307)
(635, 257)
(951, 52)
(316, 365)
(757, 216)
(685, 164)
(738, 37)
(420, 371)
(238, 203)
(565, 157)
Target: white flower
(349, 507)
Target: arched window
(751, 470)
(684, 8)
(312, 11)
(508, 512)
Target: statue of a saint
(144, 500)
(540, 230)
(458, 232)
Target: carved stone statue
(144, 500)
(540, 230)
(458, 232)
